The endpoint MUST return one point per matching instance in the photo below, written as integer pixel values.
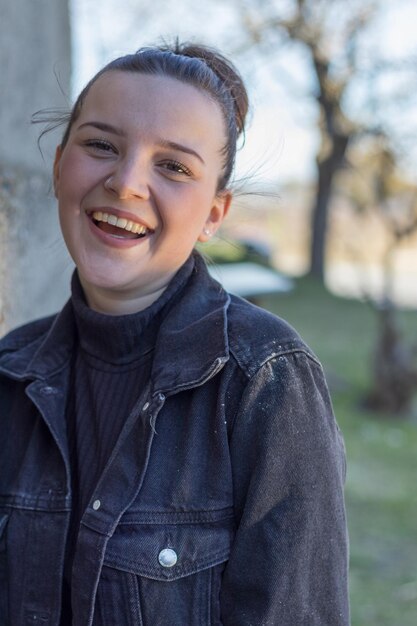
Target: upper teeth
(120, 222)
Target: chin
(103, 278)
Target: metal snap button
(167, 557)
(96, 505)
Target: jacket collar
(192, 342)
(39, 349)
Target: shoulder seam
(250, 372)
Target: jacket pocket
(3, 571)
(176, 561)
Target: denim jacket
(222, 502)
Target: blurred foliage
(374, 182)
(373, 179)
(235, 251)
(329, 34)
(338, 44)
(382, 463)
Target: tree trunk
(319, 220)
(394, 367)
(327, 168)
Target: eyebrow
(163, 143)
(108, 128)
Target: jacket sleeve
(288, 564)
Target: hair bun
(225, 71)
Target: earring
(207, 232)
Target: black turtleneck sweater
(111, 366)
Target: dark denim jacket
(222, 501)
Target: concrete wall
(35, 74)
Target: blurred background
(326, 202)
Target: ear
(58, 154)
(217, 214)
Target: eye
(176, 167)
(100, 145)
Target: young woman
(169, 452)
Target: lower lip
(112, 240)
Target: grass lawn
(381, 492)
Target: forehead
(152, 103)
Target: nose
(127, 181)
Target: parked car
(244, 267)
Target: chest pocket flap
(173, 547)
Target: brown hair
(204, 68)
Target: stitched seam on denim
(209, 595)
(35, 503)
(132, 588)
(37, 331)
(304, 352)
(251, 369)
(299, 350)
(62, 366)
(177, 572)
(32, 375)
(4, 517)
(178, 517)
(208, 373)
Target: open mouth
(118, 226)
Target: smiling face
(136, 184)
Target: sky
(281, 140)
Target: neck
(116, 303)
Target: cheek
(186, 218)
(67, 224)
(76, 177)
